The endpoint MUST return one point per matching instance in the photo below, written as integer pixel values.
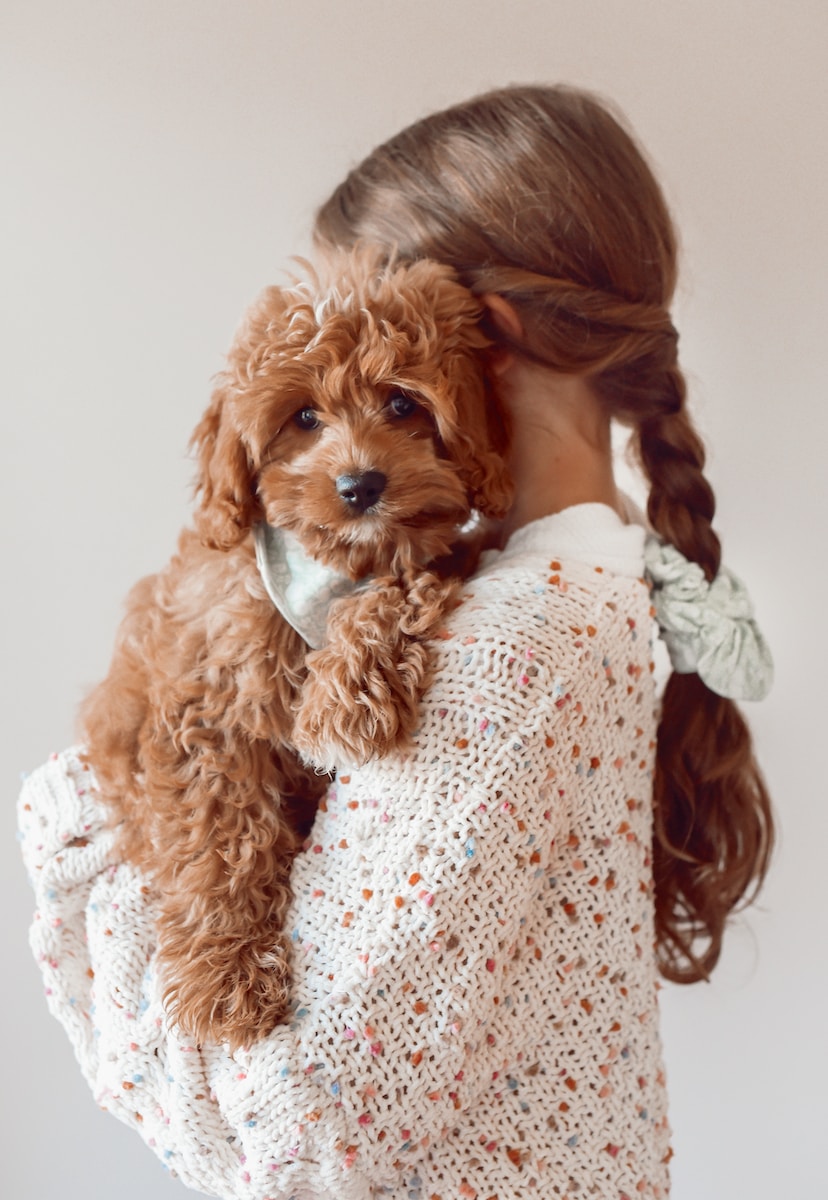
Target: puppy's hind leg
(222, 950)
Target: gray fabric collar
(301, 588)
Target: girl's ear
(225, 481)
(504, 318)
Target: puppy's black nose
(361, 492)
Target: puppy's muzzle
(361, 492)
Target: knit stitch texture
(475, 986)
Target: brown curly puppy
(353, 415)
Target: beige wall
(161, 160)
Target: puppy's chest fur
(215, 641)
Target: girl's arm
(410, 903)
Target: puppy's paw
(352, 718)
(229, 993)
(362, 694)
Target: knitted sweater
(475, 988)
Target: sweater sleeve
(408, 917)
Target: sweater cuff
(63, 833)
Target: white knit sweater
(475, 988)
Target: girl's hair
(541, 195)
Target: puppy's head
(354, 412)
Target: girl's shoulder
(538, 623)
(580, 566)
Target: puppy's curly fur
(203, 732)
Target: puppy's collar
(301, 588)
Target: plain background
(161, 161)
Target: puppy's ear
(479, 441)
(222, 440)
(473, 428)
(224, 483)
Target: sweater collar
(592, 534)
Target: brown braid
(541, 195)
(713, 829)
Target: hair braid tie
(708, 628)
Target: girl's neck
(560, 451)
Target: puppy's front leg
(362, 694)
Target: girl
(479, 924)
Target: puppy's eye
(402, 405)
(306, 418)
